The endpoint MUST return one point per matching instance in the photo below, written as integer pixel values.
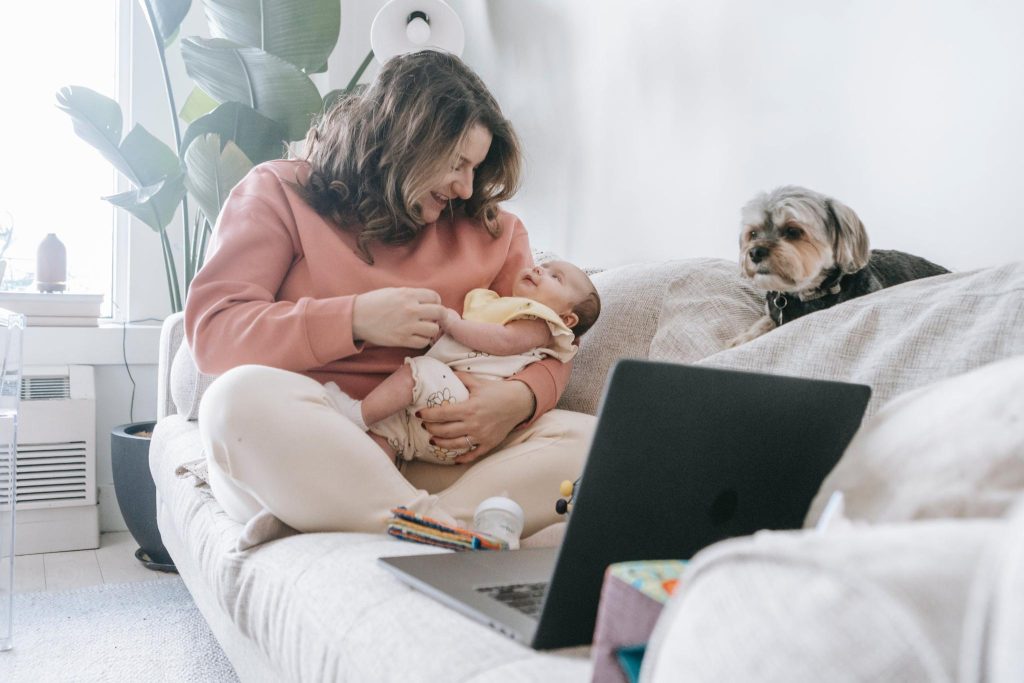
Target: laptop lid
(684, 456)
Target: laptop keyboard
(525, 597)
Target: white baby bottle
(501, 518)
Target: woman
(333, 269)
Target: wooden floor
(113, 562)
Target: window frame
(139, 287)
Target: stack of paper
(54, 309)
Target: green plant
(6, 231)
(252, 96)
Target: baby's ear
(571, 320)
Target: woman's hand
(491, 412)
(397, 316)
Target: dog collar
(832, 284)
(776, 302)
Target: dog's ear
(850, 244)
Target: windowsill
(107, 344)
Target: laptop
(682, 457)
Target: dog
(810, 252)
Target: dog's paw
(763, 325)
(740, 339)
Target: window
(50, 179)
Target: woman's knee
(568, 425)
(245, 395)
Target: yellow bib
(486, 306)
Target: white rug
(140, 631)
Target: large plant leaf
(258, 137)
(96, 118)
(153, 204)
(232, 73)
(148, 158)
(303, 32)
(212, 172)
(196, 104)
(168, 15)
(142, 158)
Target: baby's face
(559, 285)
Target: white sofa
(776, 606)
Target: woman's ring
(470, 443)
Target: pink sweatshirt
(279, 281)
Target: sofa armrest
(171, 336)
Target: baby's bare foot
(384, 445)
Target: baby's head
(563, 288)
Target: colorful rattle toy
(563, 505)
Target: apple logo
(723, 509)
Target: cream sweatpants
(273, 440)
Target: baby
(496, 337)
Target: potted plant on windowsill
(252, 97)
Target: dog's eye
(791, 233)
(752, 235)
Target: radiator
(55, 488)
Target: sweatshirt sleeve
(232, 315)
(547, 378)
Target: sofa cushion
(954, 448)
(881, 603)
(899, 338)
(672, 310)
(321, 607)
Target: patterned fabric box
(632, 596)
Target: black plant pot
(136, 493)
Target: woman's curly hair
(374, 154)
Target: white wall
(648, 123)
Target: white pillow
(883, 603)
(994, 626)
(954, 448)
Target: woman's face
(458, 181)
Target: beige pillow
(954, 448)
(631, 298)
(900, 338)
(676, 311)
(706, 306)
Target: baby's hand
(451, 316)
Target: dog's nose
(758, 254)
